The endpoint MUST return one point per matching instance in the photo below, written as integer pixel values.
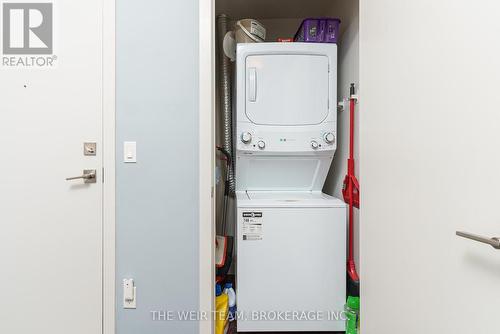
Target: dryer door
(287, 89)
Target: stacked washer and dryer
(291, 237)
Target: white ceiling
(269, 9)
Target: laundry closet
(282, 144)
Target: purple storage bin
(318, 30)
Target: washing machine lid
(287, 89)
(289, 199)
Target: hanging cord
(226, 189)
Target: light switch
(129, 294)
(130, 151)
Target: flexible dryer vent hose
(225, 97)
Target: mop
(350, 192)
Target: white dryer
(286, 115)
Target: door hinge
(102, 174)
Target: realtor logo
(27, 29)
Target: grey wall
(157, 198)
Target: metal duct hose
(225, 97)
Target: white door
(51, 228)
(272, 85)
(430, 165)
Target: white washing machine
(291, 238)
(291, 257)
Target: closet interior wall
(282, 19)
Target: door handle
(252, 83)
(493, 242)
(89, 176)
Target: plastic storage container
(318, 30)
(221, 310)
(352, 315)
(229, 291)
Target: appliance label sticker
(252, 226)
(258, 30)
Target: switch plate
(129, 294)
(130, 152)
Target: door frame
(206, 50)
(109, 152)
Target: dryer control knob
(329, 138)
(261, 145)
(314, 145)
(246, 137)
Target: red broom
(350, 192)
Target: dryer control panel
(256, 140)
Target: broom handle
(351, 230)
(351, 172)
(352, 103)
(351, 129)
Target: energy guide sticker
(252, 226)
